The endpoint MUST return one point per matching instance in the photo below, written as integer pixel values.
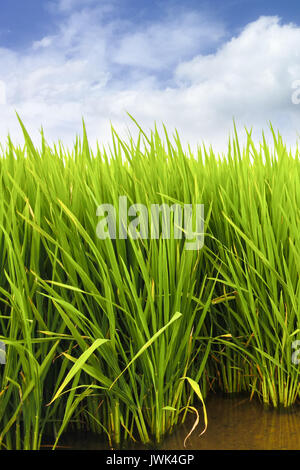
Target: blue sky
(193, 65)
(22, 22)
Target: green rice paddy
(126, 337)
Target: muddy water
(233, 423)
(236, 423)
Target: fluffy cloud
(162, 45)
(98, 68)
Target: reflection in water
(236, 423)
(233, 423)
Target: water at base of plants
(234, 423)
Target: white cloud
(249, 77)
(2, 93)
(100, 68)
(69, 5)
(161, 45)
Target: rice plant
(124, 337)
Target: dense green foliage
(119, 336)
